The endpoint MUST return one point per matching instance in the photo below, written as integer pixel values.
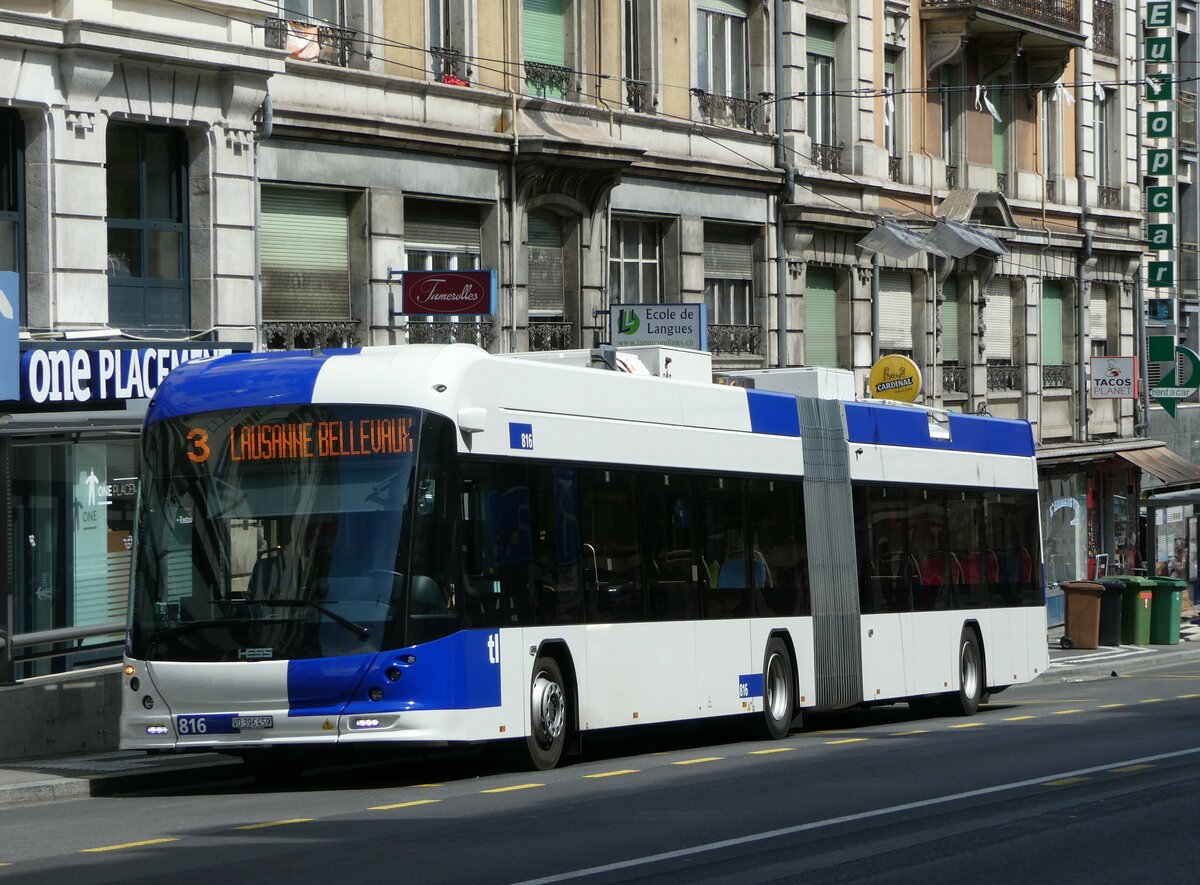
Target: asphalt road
(1084, 782)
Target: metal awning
(1175, 472)
(1098, 451)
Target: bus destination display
(290, 440)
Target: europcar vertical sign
(1160, 152)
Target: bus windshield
(274, 533)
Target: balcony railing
(728, 338)
(725, 110)
(954, 379)
(1056, 376)
(1103, 30)
(547, 80)
(1059, 13)
(288, 335)
(951, 177)
(551, 335)
(449, 66)
(1108, 197)
(638, 96)
(827, 157)
(450, 332)
(325, 44)
(1003, 377)
(895, 168)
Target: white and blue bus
(431, 545)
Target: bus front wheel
(778, 691)
(548, 699)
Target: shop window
(147, 228)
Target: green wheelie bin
(1137, 594)
(1165, 611)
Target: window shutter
(820, 318)
(544, 33)
(822, 37)
(1052, 323)
(998, 317)
(546, 278)
(729, 7)
(728, 252)
(435, 223)
(304, 253)
(1098, 317)
(895, 311)
(950, 352)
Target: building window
(1050, 112)
(637, 21)
(305, 256)
(1000, 159)
(635, 269)
(147, 227)
(895, 313)
(546, 265)
(822, 108)
(1098, 321)
(724, 66)
(449, 34)
(894, 110)
(820, 318)
(12, 203)
(729, 274)
(951, 349)
(1102, 145)
(544, 29)
(441, 236)
(1053, 326)
(952, 109)
(998, 317)
(312, 30)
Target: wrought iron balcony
(547, 80)
(1108, 197)
(827, 157)
(954, 379)
(1003, 377)
(325, 44)
(729, 338)
(551, 335)
(288, 335)
(895, 168)
(1103, 28)
(725, 110)
(951, 177)
(1056, 376)
(450, 332)
(1062, 14)
(449, 66)
(638, 96)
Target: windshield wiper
(357, 629)
(191, 627)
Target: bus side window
(611, 545)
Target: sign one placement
(895, 377)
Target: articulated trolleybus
(431, 545)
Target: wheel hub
(548, 709)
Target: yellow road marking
(1184, 697)
(1151, 701)
(141, 844)
(1066, 712)
(5, 865)
(1110, 706)
(847, 741)
(511, 789)
(404, 804)
(772, 750)
(429, 785)
(614, 773)
(275, 823)
(698, 761)
(897, 734)
(968, 725)
(1065, 782)
(1128, 768)
(1018, 718)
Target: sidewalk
(100, 774)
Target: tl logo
(628, 322)
(493, 644)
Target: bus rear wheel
(548, 709)
(779, 695)
(966, 700)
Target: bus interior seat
(266, 577)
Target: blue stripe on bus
(240, 380)
(773, 413)
(900, 426)
(457, 672)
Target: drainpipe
(1081, 409)
(782, 122)
(512, 232)
(262, 133)
(874, 308)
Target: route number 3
(199, 451)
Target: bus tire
(779, 692)
(966, 700)
(549, 700)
